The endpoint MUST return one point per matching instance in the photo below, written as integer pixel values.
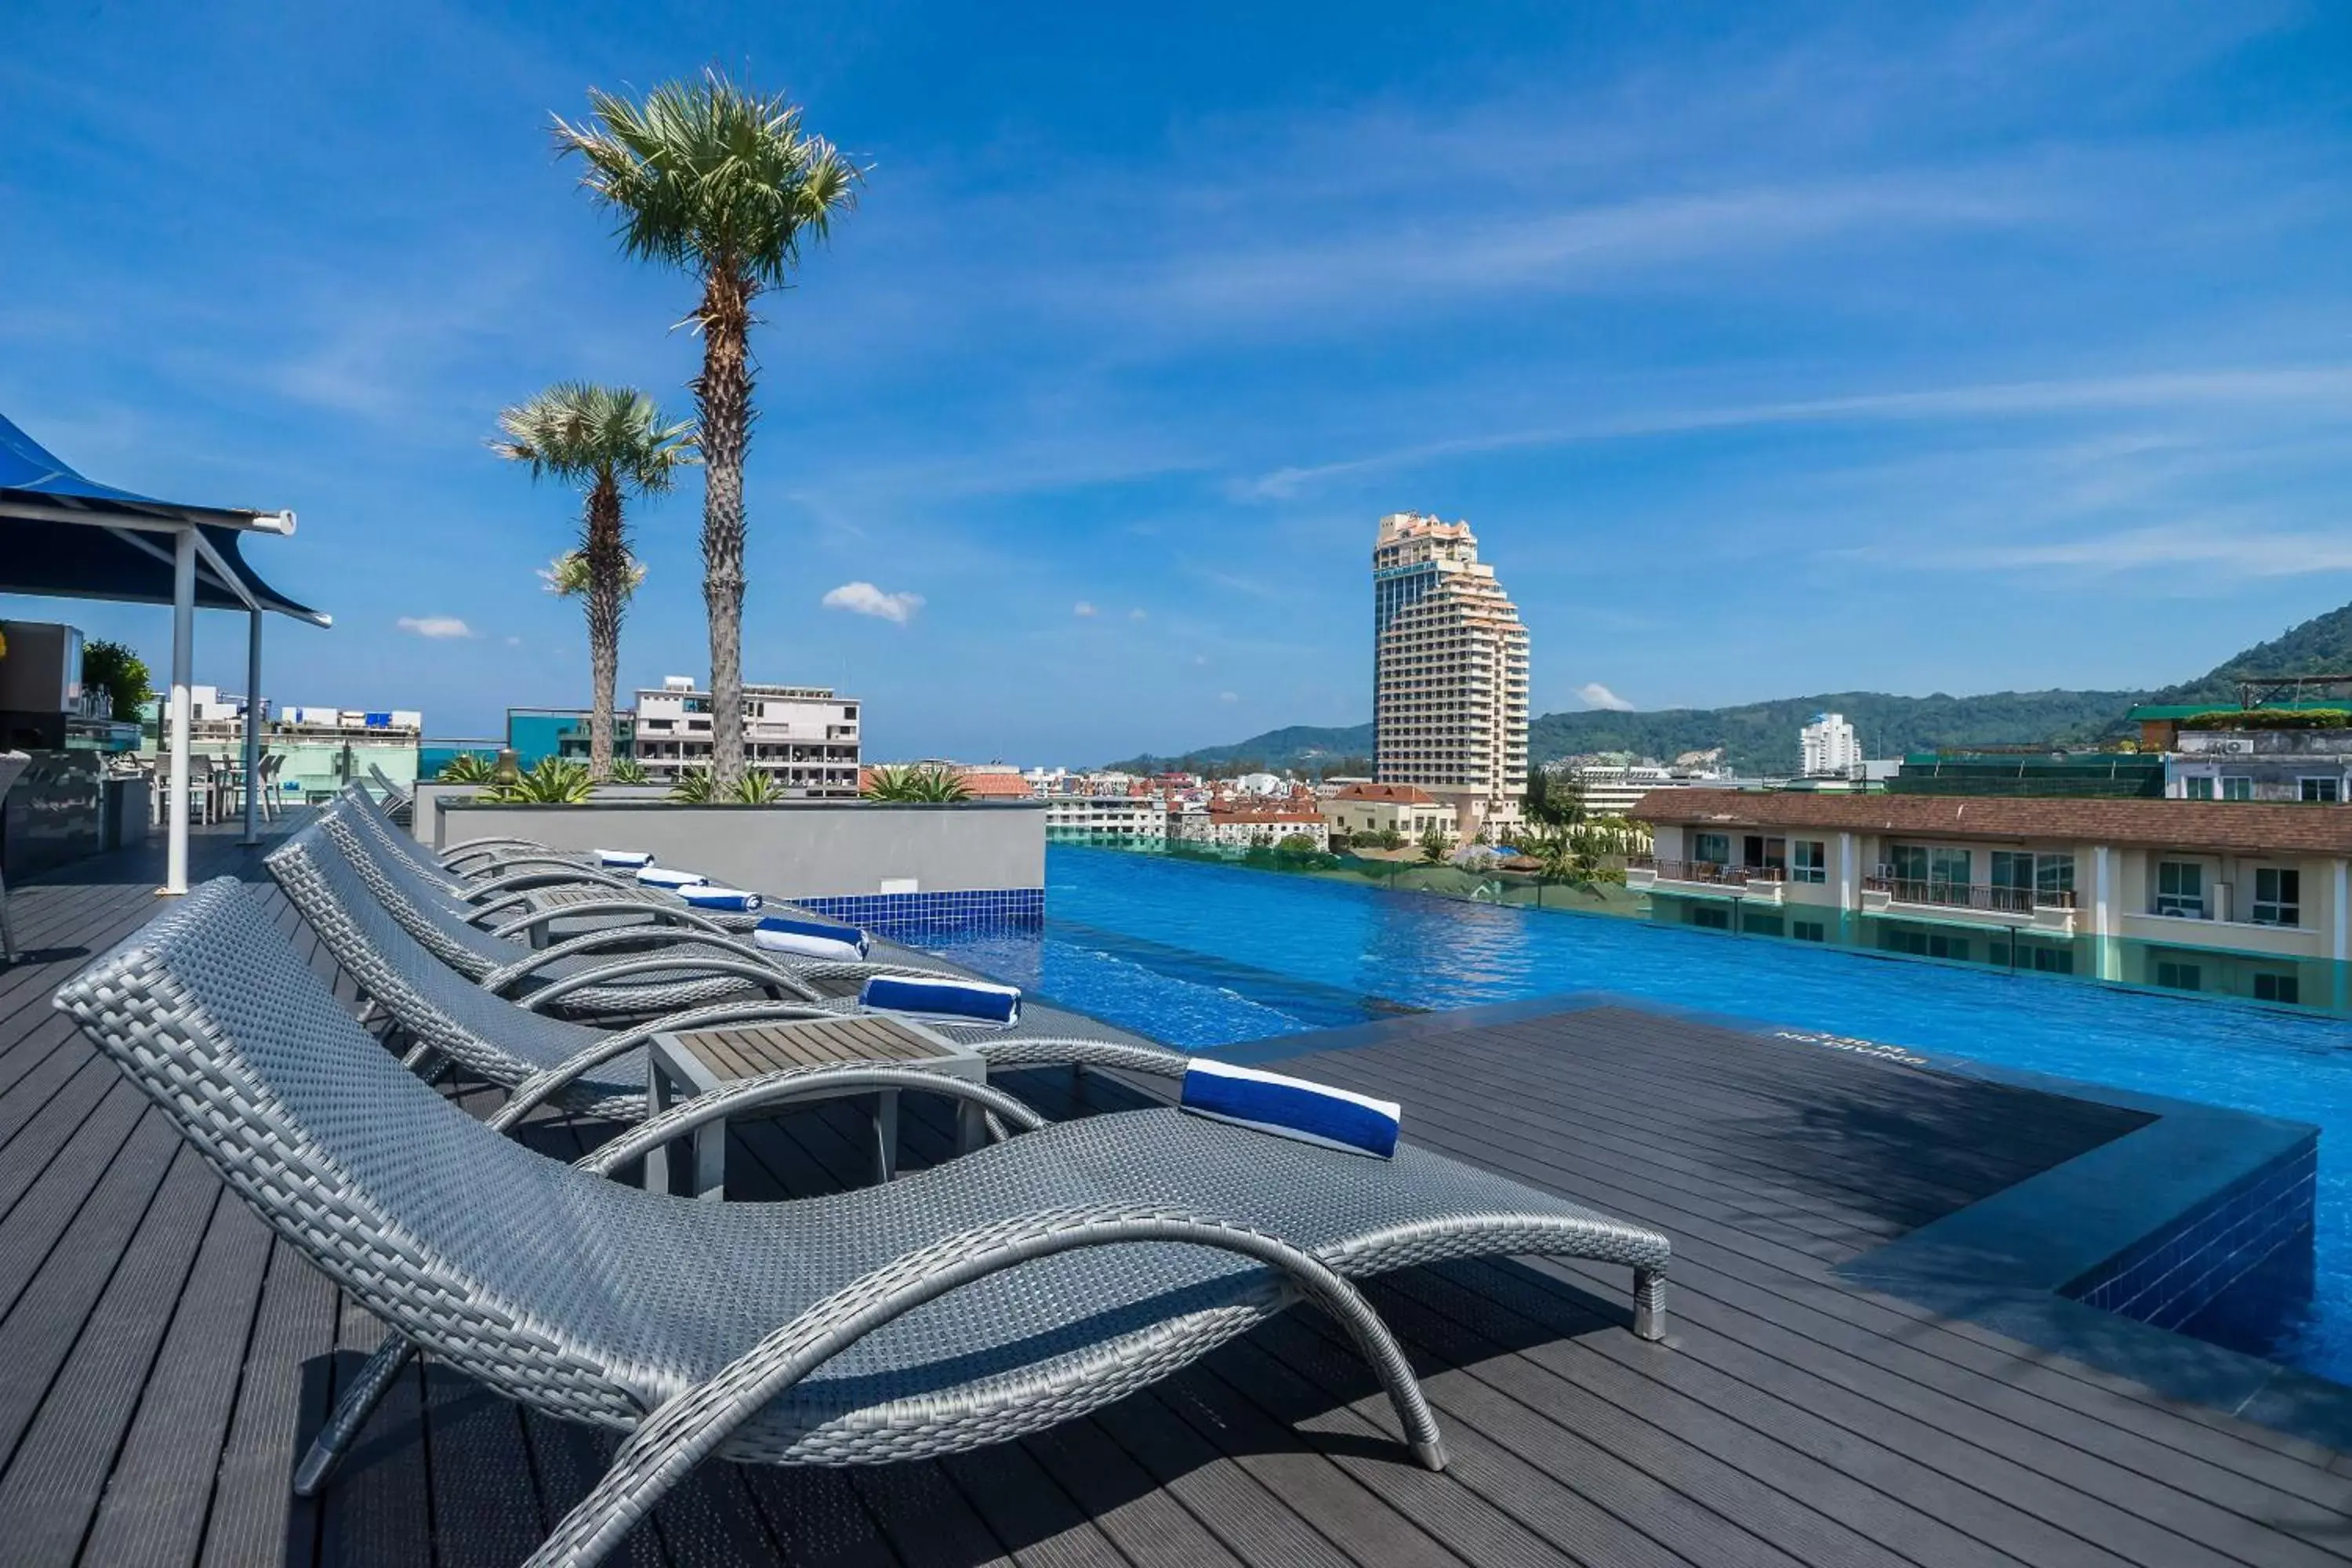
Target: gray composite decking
(162, 1359)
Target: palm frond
(567, 575)
(584, 433)
(711, 176)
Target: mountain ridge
(1761, 737)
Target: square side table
(682, 1065)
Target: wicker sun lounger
(538, 1057)
(448, 1018)
(404, 884)
(662, 969)
(996, 1295)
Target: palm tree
(610, 441)
(723, 183)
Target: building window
(2175, 976)
(1711, 849)
(2197, 789)
(2241, 787)
(1711, 916)
(2277, 988)
(1812, 862)
(2278, 897)
(1807, 931)
(2180, 891)
(2318, 790)
(2053, 880)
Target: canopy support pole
(184, 655)
(252, 728)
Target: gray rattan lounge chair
(997, 1295)
(448, 1018)
(538, 1057)
(499, 874)
(12, 764)
(662, 970)
(403, 883)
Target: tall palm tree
(723, 183)
(611, 442)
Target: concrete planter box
(898, 868)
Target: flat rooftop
(163, 1359)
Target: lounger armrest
(690, 1427)
(1043, 1050)
(801, 1085)
(529, 1094)
(537, 871)
(861, 969)
(671, 913)
(662, 937)
(488, 845)
(775, 981)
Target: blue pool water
(1200, 954)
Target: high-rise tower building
(1827, 748)
(1449, 670)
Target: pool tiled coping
(2016, 1261)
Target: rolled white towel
(954, 1001)
(1292, 1108)
(810, 939)
(625, 860)
(663, 876)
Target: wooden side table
(681, 1065)
(542, 901)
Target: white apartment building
(2309, 767)
(1238, 826)
(1828, 748)
(1611, 790)
(1449, 670)
(804, 736)
(1125, 819)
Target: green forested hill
(1761, 737)
(2320, 646)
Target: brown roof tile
(2243, 826)
(1403, 794)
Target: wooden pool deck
(162, 1359)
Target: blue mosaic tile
(2169, 1278)
(911, 916)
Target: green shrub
(554, 781)
(2271, 719)
(1296, 844)
(758, 788)
(694, 787)
(629, 770)
(468, 768)
(122, 672)
(922, 785)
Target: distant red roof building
(994, 785)
(1398, 795)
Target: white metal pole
(184, 655)
(252, 730)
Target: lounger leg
(350, 1414)
(1650, 1303)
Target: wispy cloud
(436, 627)
(2225, 545)
(1592, 694)
(2300, 386)
(866, 599)
(1083, 610)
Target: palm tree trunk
(722, 396)
(608, 564)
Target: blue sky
(1767, 350)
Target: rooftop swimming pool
(1199, 953)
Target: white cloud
(1137, 614)
(1082, 608)
(436, 627)
(2218, 545)
(1229, 696)
(1199, 658)
(866, 599)
(2204, 392)
(514, 642)
(1595, 695)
